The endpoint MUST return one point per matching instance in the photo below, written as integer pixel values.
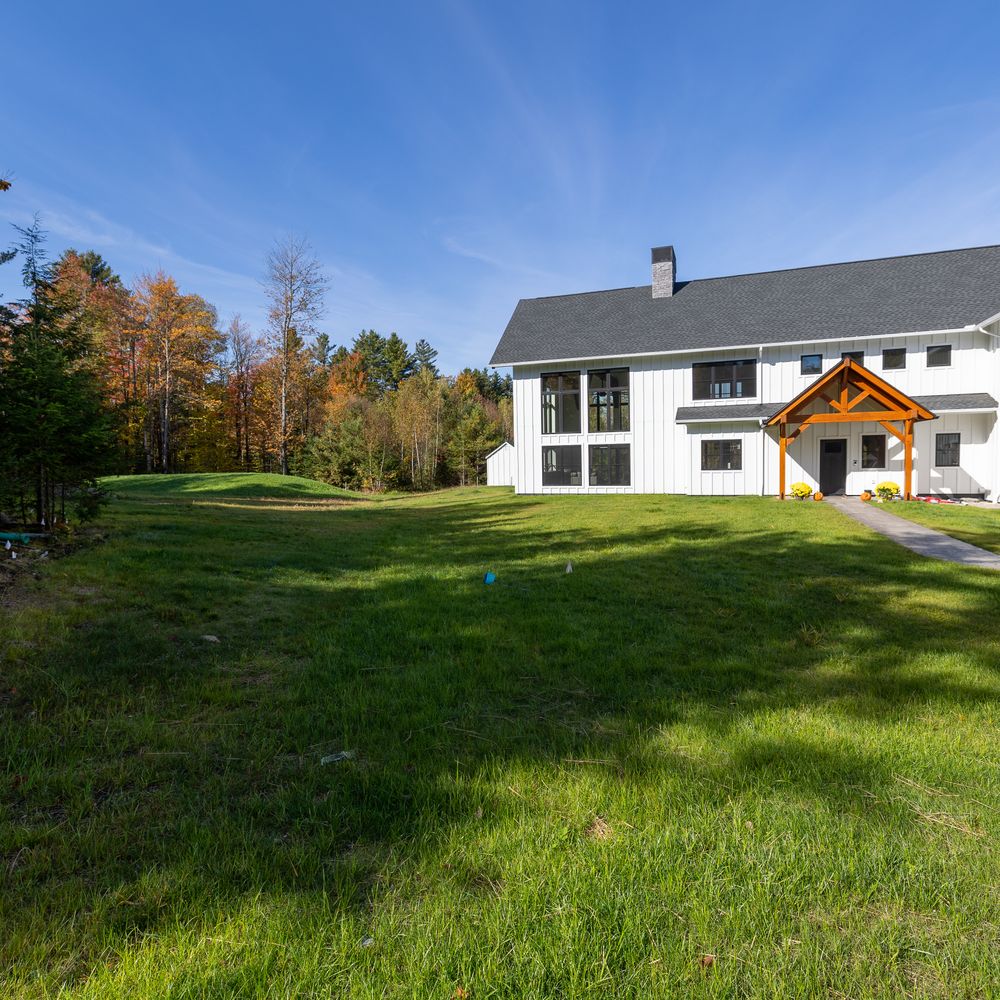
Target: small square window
(872, 451)
(947, 449)
(893, 358)
(939, 357)
(811, 364)
(858, 356)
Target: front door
(833, 466)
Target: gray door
(833, 466)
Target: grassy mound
(222, 484)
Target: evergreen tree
(55, 434)
(425, 357)
(398, 362)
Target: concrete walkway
(917, 538)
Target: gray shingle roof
(727, 411)
(957, 401)
(930, 291)
(762, 411)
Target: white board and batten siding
(500, 466)
(666, 455)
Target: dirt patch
(599, 829)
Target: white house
(719, 386)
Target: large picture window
(562, 465)
(947, 449)
(561, 403)
(872, 451)
(610, 465)
(721, 456)
(724, 379)
(607, 392)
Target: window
(893, 358)
(561, 403)
(608, 400)
(724, 379)
(946, 450)
(562, 465)
(721, 456)
(811, 364)
(872, 451)
(939, 357)
(858, 356)
(610, 465)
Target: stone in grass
(211, 638)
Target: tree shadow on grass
(369, 629)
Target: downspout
(981, 327)
(763, 433)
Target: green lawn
(739, 728)
(230, 484)
(978, 525)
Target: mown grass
(739, 729)
(230, 484)
(976, 525)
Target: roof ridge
(773, 270)
(844, 263)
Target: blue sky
(446, 158)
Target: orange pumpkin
(817, 495)
(866, 496)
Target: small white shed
(500, 466)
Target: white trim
(978, 409)
(500, 447)
(725, 420)
(971, 328)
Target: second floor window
(858, 356)
(811, 364)
(893, 358)
(607, 391)
(561, 403)
(939, 357)
(724, 379)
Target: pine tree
(55, 433)
(425, 357)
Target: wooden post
(908, 443)
(782, 445)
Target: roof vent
(664, 272)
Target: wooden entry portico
(845, 388)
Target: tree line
(99, 376)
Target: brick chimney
(664, 272)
